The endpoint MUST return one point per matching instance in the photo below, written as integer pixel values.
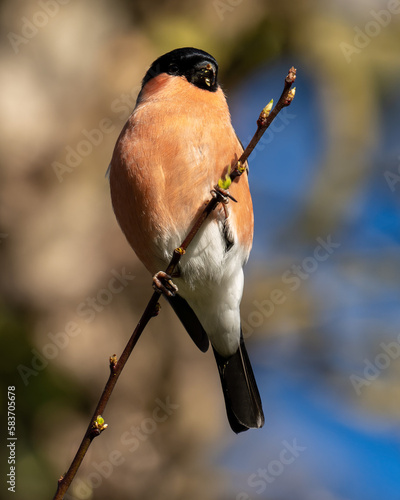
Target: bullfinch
(177, 143)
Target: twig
(265, 119)
(97, 425)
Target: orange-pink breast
(176, 145)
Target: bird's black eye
(173, 69)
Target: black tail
(242, 399)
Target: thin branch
(97, 425)
(265, 119)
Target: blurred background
(322, 294)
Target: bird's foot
(162, 282)
(223, 194)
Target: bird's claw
(162, 282)
(223, 194)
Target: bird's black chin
(204, 76)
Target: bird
(175, 146)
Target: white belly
(212, 283)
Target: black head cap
(197, 66)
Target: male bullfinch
(176, 145)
